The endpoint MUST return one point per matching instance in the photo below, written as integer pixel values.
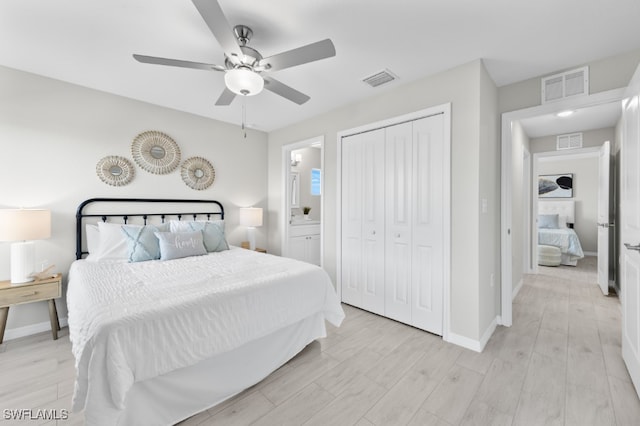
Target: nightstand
(34, 291)
(245, 245)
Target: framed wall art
(555, 186)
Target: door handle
(606, 225)
(632, 247)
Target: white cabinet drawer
(302, 230)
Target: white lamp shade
(243, 82)
(24, 224)
(250, 216)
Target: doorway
(303, 203)
(510, 124)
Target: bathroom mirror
(294, 189)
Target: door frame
(590, 152)
(615, 95)
(527, 167)
(286, 212)
(444, 109)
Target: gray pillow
(212, 231)
(549, 221)
(174, 245)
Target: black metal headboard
(214, 209)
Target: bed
(157, 341)
(555, 228)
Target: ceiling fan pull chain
(244, 116)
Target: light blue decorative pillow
(549, 221)
(142, 244)
(213, 232)
(174, 245)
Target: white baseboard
(475, 345)
(28, 330)
(590, 253)
(517, 289)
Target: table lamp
(21, 226)
(251, 217)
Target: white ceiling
(90, 43)
(582, 120)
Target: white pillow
(113, 242)
(562, 222)
(93, 240)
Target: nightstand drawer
(29, 293)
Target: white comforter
(566, 239)
(133, 321)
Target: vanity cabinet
(304, 243)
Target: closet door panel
(427, 224)
(373, 221)
(351, 277)
(398, 165)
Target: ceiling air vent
(570, 141)
(565, 85)
(380, 78)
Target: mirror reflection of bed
(558, 243)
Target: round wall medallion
(155, 152)
(115, 170)
(197, 173)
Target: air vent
(380, 78)
(570, 141)
(565, 85)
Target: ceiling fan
(243, 65)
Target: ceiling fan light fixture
(243, 81)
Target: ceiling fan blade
(214, 17)
(177, 63)
(285, 91)
(309, 53)
(226, 97)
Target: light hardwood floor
(559, 364)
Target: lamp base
(251, 236)
(22, 262)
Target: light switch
(485, 205)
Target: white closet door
(363, 221)
(373, 202)
(352, 220)
(427, 224)
(398, 194)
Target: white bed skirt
(170, 398)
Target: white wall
(489, 223)
(310, 160)
(604, 74)
(590, 138)
(461, 87)
(52, 134)
(585, 193)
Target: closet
(392, 234)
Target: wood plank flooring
(559, 364)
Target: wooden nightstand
(245, 245)
(35, 291)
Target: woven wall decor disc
(197, 173)
(115, 170)
(155, 152)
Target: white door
(363, 220)
(352, 220)
(630, 232)
(297, 248)
(312, 251)
(398, 194)
(603, 217)
(427, 243)
(373, 221)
